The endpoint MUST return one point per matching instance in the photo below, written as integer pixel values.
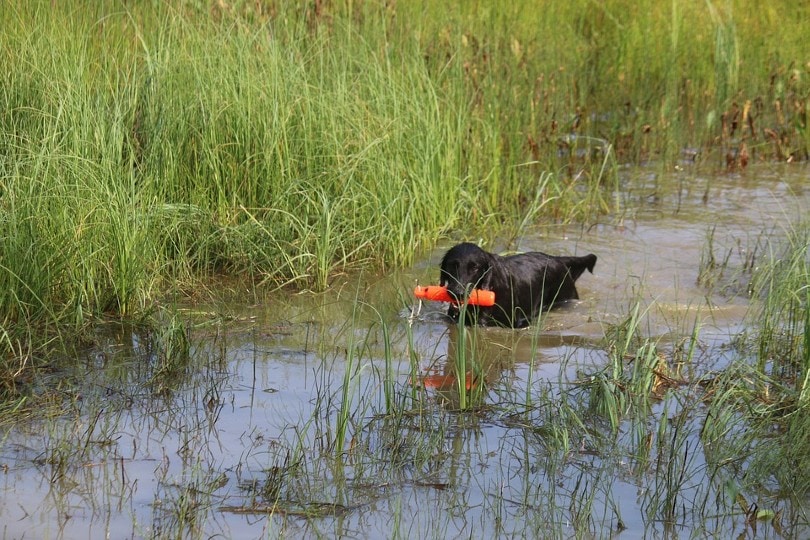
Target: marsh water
(239, 441)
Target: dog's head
(464, 267)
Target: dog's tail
(577, 265)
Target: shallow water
(205, 448)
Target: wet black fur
(523, 284)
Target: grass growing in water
(761, 409)
(532, 455)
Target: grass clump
(784, 331)
(757, 423)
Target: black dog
(523, 284)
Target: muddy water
(205, 449)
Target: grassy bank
(146, 147)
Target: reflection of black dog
(523, 284)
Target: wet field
(339, 414)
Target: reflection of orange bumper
(444, 382)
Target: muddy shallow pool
(307, 415)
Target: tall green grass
(145, 147)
